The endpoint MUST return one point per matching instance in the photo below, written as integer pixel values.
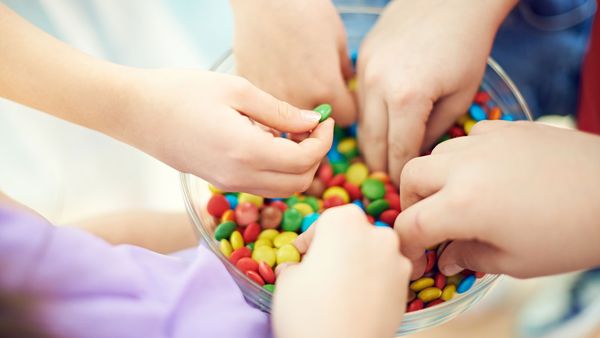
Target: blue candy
(334, 155)
(354, 57)
(477, 113)
(465, 284)
(232, 199)
(308, 221)
(507, 117)
(353, 130)
(360, 204)
(381, 224)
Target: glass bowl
(196, 193)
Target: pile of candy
(256, 234)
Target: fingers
(427, 223)
(286, 156)
(344, 107)
(346, 215)
(444, 114)
(472, 255)
(372, 131)
(422, 177)
(407, 118)
(266, 109)
(487, 126)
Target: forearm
(41, 72)
(158, 231)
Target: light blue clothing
(540, 45)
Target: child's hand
(351, 283)
(205, 123)
(295, 50)
(516, 198)
(418, 70)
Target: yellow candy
(353, 84)
(357, 173)
(304, 208)
(337, 191)
(214, 189)
(461, 120)
(228, 215)
(254, 199)
(284, 238)
(264, 254)
(429, 294)
(288, 254)
(469, 125)
(269, 234)
(421, 283)
(448, 292)
(225, 248)
(236, 240)
(347, 145)
(263, 242)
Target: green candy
(250, 246)
(377, 207)
(373, 189)
(338, 132)
(313, 202)
(291, 201)
(269, 287)
(340, 167)
(292, 220)
(325, 111)
(224, 230)
(444, 138)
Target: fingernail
(451, 269)
(310, 116)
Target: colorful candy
(257, 234)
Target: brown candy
(270, 217)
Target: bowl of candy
(252, 235)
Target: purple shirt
(85, 287)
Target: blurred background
(67, 172)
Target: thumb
(268, 110)
(472, 255)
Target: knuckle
(284, 110)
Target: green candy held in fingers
(325, 110)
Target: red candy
(479, 274)
(238, 254)
(333, 201)
(266, 272)
(435, 302)
(337, 180)
(247, 264)
(325, 172)
(217, 205)
(457, 131)
(394, 200)
(389, 188)
(371, 219)
(353, 191)
(251, 232)
(440, 280)
(255, 277)
(415, 305)
(431, 258)
(246, 213)
(389, 216)
(481, 98)
(279, 205)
